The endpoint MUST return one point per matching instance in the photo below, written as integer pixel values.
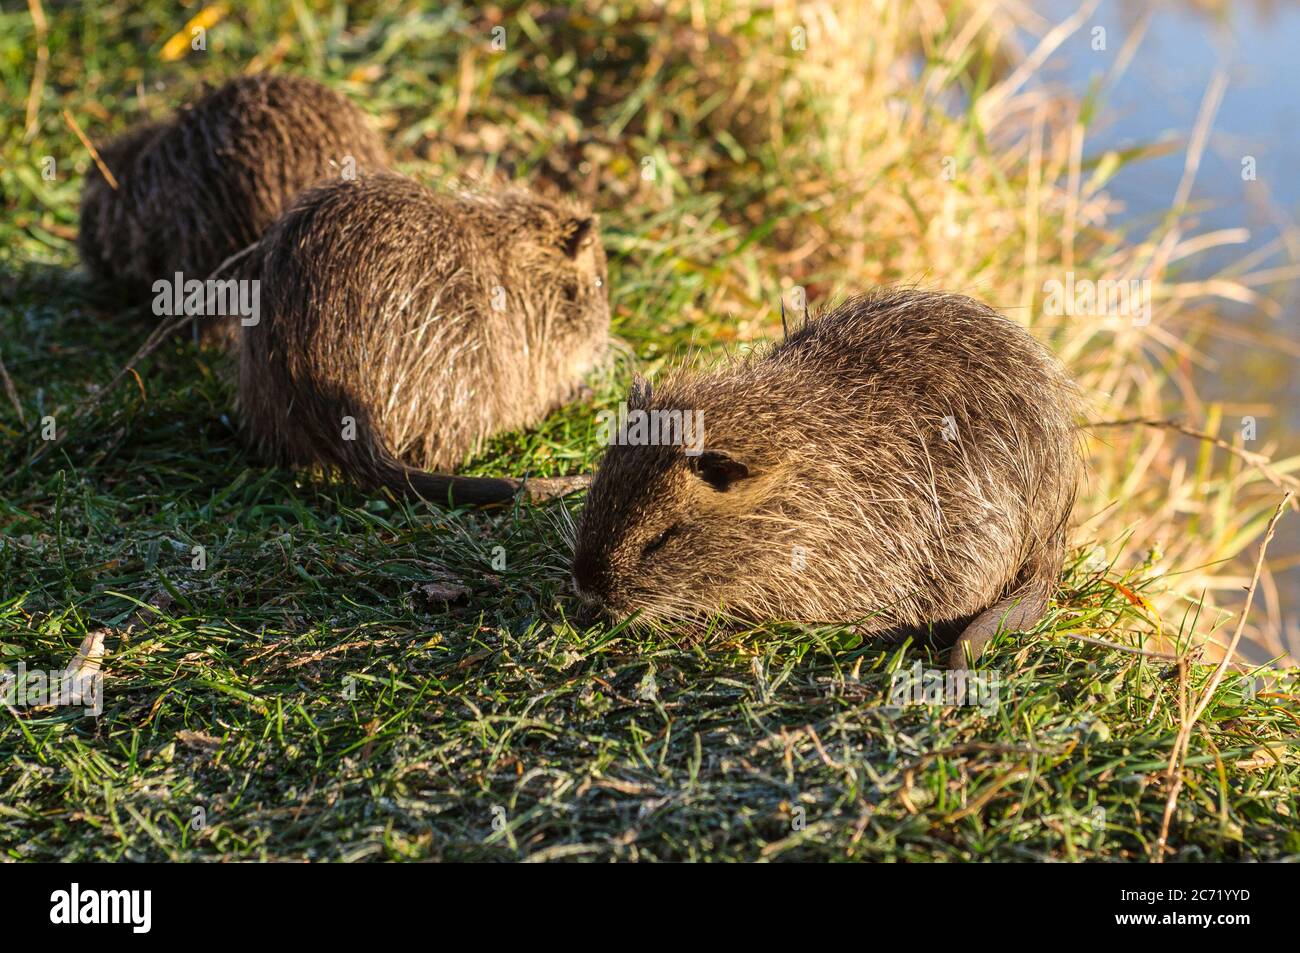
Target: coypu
(206, 183)
(907, 460)
(424, 321)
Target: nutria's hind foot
(1019, 611)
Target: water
(1257, 44)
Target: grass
(309, 694)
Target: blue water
(1257, 45)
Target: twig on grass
(1106, 644)
(90, 147)
(1188, 715)
(159, 334)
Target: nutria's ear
(638, 398)
(719, 470)
(576, 234)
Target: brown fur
(433, 320)
(833, 441)
(205, 184)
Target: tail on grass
(1020, 609)
(1017, 612)
(445, 489)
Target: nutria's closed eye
(658, 542)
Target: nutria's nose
(590, 579)
(581, 593)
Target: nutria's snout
(591, 581)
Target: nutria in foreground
(401, 327)
(206, 183)
(908, 459)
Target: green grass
(310, 698)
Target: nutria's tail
(1019, 609)
(478, 491)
